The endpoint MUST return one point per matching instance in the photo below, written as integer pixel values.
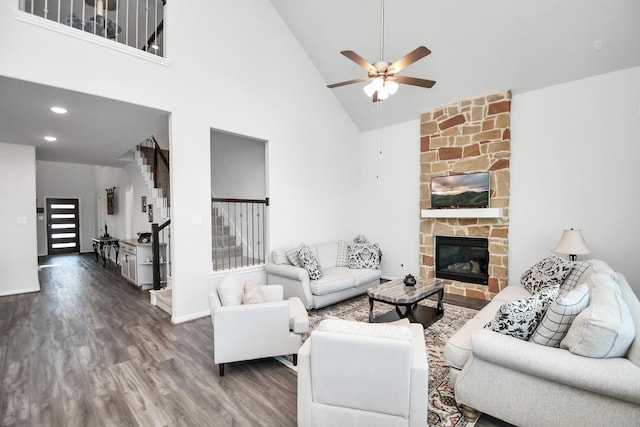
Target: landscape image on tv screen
(460, 191)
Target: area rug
(443, 411)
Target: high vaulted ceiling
(477, 46)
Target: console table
(102, 247)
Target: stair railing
(158, 275)
(160, 169)
(240, 242)
(129, 22)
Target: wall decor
(150, 212)
(144, 203)
(111, 200)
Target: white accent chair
(253, 331)
(363, 374)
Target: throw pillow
(360, 239)
(521, 317)
(605, 328)
(252, 293)
(364, 255)
(230, 290)
(280, 257)
(578, 275)
(342, 259)
(549, 272)
(292, 254)
(560, 315)
(310, 263)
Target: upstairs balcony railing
(135, 23)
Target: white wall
(18, 246)
(209, 81)
(68, 180)
(238, 168)
(389, 195)
(575, 149)
(573, 164)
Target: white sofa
(529, 384)
(363, 375)
(336, 284)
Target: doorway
(63, 226)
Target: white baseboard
(190, 317)
(19, 291)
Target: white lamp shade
(571, 243)
(392, 87)
(369, 89)
(383, 93)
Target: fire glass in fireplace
(465, 259)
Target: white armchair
(363, 374)
(252, 331)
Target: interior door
(63, 226)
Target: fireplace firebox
(465, 259)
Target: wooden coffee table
(395, 292)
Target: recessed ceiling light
(50, 138)
(59, 110)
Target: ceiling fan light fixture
(392, 87)
(383, 93)
(369, 90)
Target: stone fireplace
(471, 135)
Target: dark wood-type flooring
(90, 350)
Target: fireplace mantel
(462, 213)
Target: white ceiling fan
(382, 75)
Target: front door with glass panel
(63, 226)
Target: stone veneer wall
(468, 136)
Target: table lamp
(571, 243)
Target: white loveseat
(528, 384)
(338, 282)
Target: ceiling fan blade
(348, 82)
(360, 61)
(407, 60)
(413, 81)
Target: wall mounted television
(469, 190)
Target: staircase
(226, 252)
(157, 181)
(153, 163)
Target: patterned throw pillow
(520, 318)
(549, 272)
(560, 315)
(343, 254)
(292, 254)
(364, 255)
(310, 263)
(579, 274)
